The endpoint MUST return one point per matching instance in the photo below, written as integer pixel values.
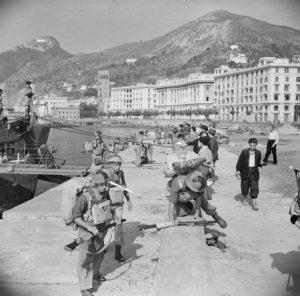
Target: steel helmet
(99, 178)
(115, 158)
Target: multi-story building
(192, 92)
(49, 102)
(68, 113)
(103, 89)
(134, 97)
(268, 92)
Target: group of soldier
(99, 206)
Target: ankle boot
(220, 221)
(118, 255)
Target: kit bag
(97, 212)
(116, 195)
(70, 191)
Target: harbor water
(69, 145)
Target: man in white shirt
(273, 140)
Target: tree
(88, 111)
(91, 92)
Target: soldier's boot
(118, 255)
(219, 220)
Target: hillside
(200, 45)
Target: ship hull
(16, 188)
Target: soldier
(148, 143)
(100, 150)
(1, 102)
(28, 98)
(91, 209)
(117, 195)
(187, 188)
(138, 147)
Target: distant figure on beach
(213, 144)
(273, 140)
(148, 143)
(100, 150)
(138, 147)
(247, 172)
(28, 98)
(1, 102)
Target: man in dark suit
(247, 171)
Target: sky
(84, 26)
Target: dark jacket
(242, 165)
(214, 147)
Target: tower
(103, 89)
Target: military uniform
(88, 206)
(28, 99)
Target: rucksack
(71, 190)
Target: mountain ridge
(199, 45)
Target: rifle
(101, 227)
(121, 187)
(162, 225)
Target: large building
(49, 103)
(68, 113)
(192, 92)
(134, 97)
(269, 92)
(103, 89)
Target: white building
(236, 55)
(49, 102)
(131, 61)
(68, 113)
(192, 92)
(268, 92)
(134, 97)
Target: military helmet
(114, 159)
(99, 178)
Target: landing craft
(25, 158)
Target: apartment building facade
(134, 97)
(49, 103)
(68, 113)
(269, 92)
(192, 92)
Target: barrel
(188, 164)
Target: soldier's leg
(97, 261)
(119, 237)
(212, 211)
(137, 149)
(85, 267)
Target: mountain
(200, 45)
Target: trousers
(269, 150)
(88, 265)
(118, 213)
(250, 183)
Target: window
(286, 79)
(286, 87)
(277, 70)
(276, 97)
(297, 79)
(298, 87)
(286, 70)
(287, 97)
(276, 79)
(276, 87)
(275, 108)
(297, 97)
(286, 108)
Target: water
(69, 143)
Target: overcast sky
(93, 25)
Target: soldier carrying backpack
(91, 210)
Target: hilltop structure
(103, 90)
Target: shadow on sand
(289, 264)
(129, 251)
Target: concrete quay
(262, 247)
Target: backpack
(71, 190)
